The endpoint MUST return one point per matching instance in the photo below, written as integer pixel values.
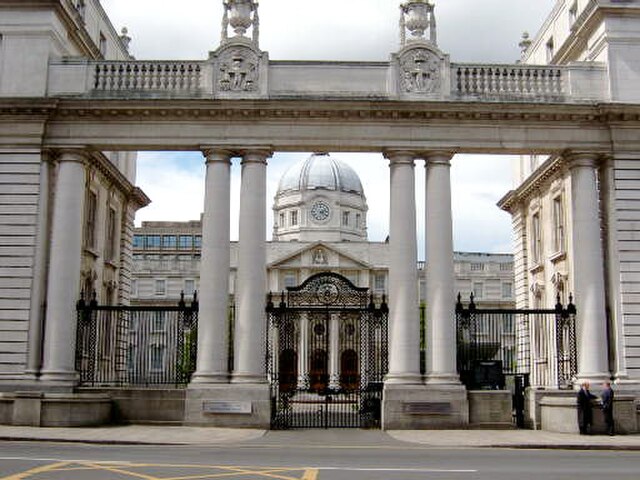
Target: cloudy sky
(469, 30)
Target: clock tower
(320, 199)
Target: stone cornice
(533, 183)
(297, 110)
(99, 161)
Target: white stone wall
(19, 189)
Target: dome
(321, 171)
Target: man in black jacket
(607, 407)
(585, 412)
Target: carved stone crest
(238, 71)
(420, 71)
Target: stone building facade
(320, 218)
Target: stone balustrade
(577, 82)
(147, 76)
(508, 82)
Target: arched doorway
(349, 370)
(319, 371)
(288, 370)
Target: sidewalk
(167, 435)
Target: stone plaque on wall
(229, 407)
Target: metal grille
(326, 355)
(538, 343)
(136, 346)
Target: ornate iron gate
(326, 355)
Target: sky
(485, 31)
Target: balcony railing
(508, 81)
(169, 77)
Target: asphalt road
(333, 455)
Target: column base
(403, 379)
(248, 378)
(228, 406)
(452, 379)
(60, 378)
(415, 407)
(209, 378)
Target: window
(153, 241)
(134, 288)
(159, 322)
(197, 241)
(91, 210)
(189, 287)
(282, 220)
(290, 279)
(550, 50)
(507, 290)
(506, 267)
(81, 8)
(103, 44)
(293, 218)
(573, 14)
(358, 220)
(157, 357)
(111, 241)
(536, 239)
(477, 267)
(478, 290)
(346, 218)
(558, 225)
(379, 282)
(161, 287)
(352, 276)
(185, 242)
(169, 242)
(138, 241)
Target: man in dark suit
(607, 406)
(585, 412)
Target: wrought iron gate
(326, 355)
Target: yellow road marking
(311, 474)
(36, 471)
(126, 470)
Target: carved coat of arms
(238, 71)
(420, 71)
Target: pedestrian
(607, 407)
(585, 412)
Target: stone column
(440, 313)
(252, 270)
(334, 352)
(303, 353)
(588, 270)
(64, 271)
(214, 271)
(404, 317)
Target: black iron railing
(493, 343)
(136, 346)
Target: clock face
(320, 211)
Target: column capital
(78, 155)
(437, 157)
(256, 155)
(216, 154)
(399, 155)
(581, 159)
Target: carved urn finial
(240, 15)
(418, 18)
(525, 43)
